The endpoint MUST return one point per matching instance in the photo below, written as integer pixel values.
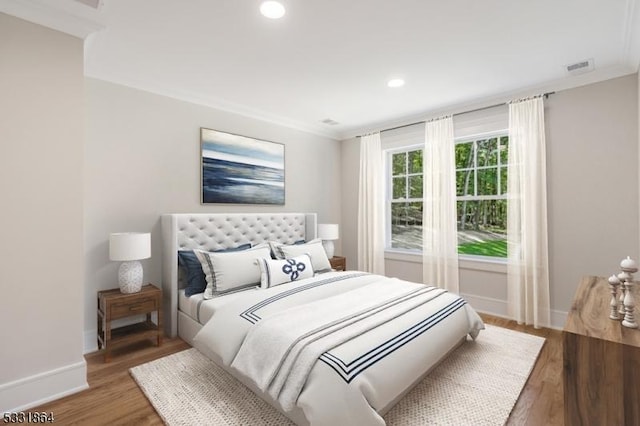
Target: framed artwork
(240, 170)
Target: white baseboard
(487, 305)
(498, 308)
(41, 388)
(558, 319)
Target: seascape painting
(241, 170)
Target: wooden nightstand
(112, 305)
(338, 263)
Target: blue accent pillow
(193, 273)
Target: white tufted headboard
(219, 231)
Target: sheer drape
(439, 227)
(371, 206)
(528, 270)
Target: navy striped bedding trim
(349, 371)
(212, 272)
(266, 266)
(372, 352)
(264, 270)
(251, 316)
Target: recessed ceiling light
(272, 9)
(395, 82)
(330, 122)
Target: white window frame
(389, 193)
(474, 138)
(388, 153)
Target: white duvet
(340, 348)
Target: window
(481, 187)
(405, 201)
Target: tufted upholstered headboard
(218, 231)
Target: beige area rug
(478, 384)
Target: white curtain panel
(439, 219)
(528, 268)
(371, 206)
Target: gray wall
(592, 169)
(41, 248)
(143, 159)
(592, 160)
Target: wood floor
(115, 399)
(541, 401)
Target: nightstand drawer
(141, 306)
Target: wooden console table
(601, 361)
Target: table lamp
(130, 247)
(328, 232)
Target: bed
(335, 348)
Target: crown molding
(221, 105)
(631, 46)
(76, 19)
(66, 16)
(552, 86)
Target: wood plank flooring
(541, 401)
(115, 399)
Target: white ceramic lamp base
(328, 247)
(130, 276)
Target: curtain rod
(545, 95)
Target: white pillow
(232, 271)
(275, 249)
(279, 271)
(314, 249)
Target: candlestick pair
(625, 303)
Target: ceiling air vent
(93, 3)
(330, 122)
(580, 67)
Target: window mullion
(499, 162)
(475, 167)
(499, 187)
(406, 176)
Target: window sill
(467, 262)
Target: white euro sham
(232, 271)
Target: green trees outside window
(406, 200)
(481, 188)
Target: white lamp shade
(328, 231)
(127, 246)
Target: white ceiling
(331, 58)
